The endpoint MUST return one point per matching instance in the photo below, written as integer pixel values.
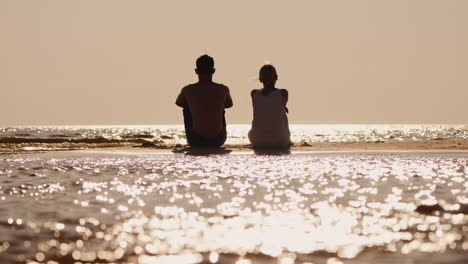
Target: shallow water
(236, 208)
(58, 138)
(237, 134)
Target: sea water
(140, 207)
(237, 134)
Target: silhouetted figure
(270, 127)
(203, 106)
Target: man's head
(205, 65)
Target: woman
(270, 127)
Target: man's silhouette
(203, 106)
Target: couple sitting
(204, 102)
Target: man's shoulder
(188, 86)
(220, 85)
(198, 87)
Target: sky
(112, 62)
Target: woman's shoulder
(283, 91)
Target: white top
(270, 127)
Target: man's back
(206, 101)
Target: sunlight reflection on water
(237, 134)
(187, 209)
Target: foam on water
(175, 208)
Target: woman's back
(270, 126)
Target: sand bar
(379, 146)
(391, 146)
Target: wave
(99, 140)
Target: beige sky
(124, 62)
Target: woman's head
(267, 74)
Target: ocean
(66, 198)
(42, 138)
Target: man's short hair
(205, 64)
(267, 68)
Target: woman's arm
(285, 97)
(228, 103)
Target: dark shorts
(195, 140)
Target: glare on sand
(191, 209)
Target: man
(204, 103)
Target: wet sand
(303, 147)
(389, 145)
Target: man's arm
(180, 101)
(228, 103)
(252, 93)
